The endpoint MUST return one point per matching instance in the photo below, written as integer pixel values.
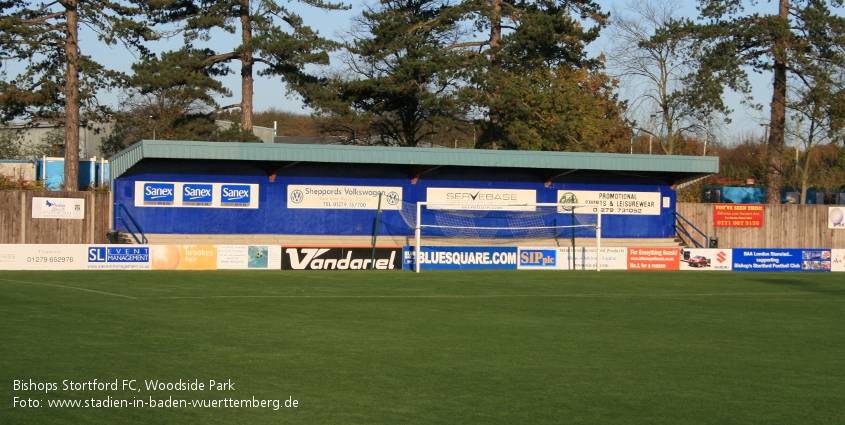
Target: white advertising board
(43, 257)
(584, 258)
(241, 257)
(344, 197)
(196, 195)
(706, 259)
(836, 217)
(615, 202)
(480, 199)
(837, 260)
(65, 208)
(140, 257)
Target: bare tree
(654, 64)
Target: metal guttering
(125, 159)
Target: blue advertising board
(462, 258)
(781, 260)
(537, 258)
(119, 257)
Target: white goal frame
(595, 209)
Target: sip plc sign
(537, 258)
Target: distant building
(266, 134)
(90, 139)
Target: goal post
(502, 223)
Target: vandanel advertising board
(781, 260)
(344, 197)
(196, 195)
(738, 215)
(341, 258)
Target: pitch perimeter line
(667, 296)
(70, 287)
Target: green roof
(684, 168)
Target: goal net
(528, 224)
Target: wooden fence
(18, 226)
(784, 226)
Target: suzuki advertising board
(463, 258)
(654, 258)
(706, 259)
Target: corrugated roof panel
(124, 160)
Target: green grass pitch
(365, 347)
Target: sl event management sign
(196, 195)
(738, 215)
(344, 197)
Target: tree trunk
(496, 115)
(247, 61)
(71, 90)
(774, 160)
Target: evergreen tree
(802, 39)
(519, 36)
(399, 84)
(270, 33)
(58, 82)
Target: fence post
(23, 217)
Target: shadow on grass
(803, 283)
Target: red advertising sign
(654, 258)
(738, 215)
